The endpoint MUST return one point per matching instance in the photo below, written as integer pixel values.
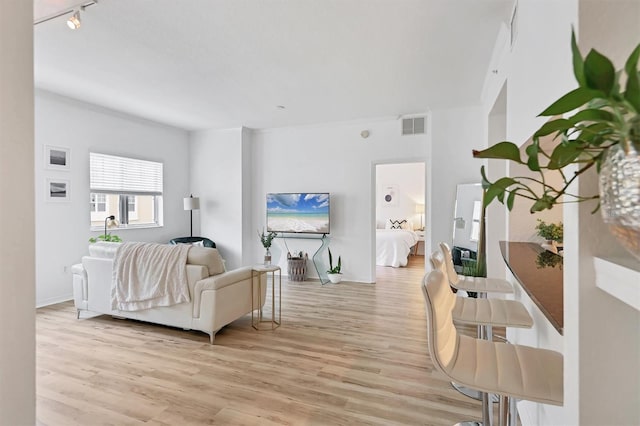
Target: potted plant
(266, 240)
(603, 135)
(109, 222)
(334, 273)
(552, 233)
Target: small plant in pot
(334, 273)
(266, 240)
(552, 233)
(109, 222)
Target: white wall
(603, 338)
(63, 229)
(340, 162)
(218, 160)
(601, 343)
(455, 132)
(17, 262)
(409, 179)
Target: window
(127, 188)
(98, 207)
(475, 224)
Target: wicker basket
(297, 268)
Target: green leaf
(595, 115)
(532, 152)
(543, 203)
(631, 66)
(492, 192)
(564, 154)
(497, 189)
(485, 182)
(578, 62)
(502, 150)
(510, 199)
(595, 134)
(632, 93)
(552, 126)
(599, 72)
(572, 100)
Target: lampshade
(192, 203)
(420, 208)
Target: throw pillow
(397, 224)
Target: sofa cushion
(208, 257)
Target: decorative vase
(620, 194)
(335, 278)
(267, 257)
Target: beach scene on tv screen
(302, 212)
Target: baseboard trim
(53, 300)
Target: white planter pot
(335, 278)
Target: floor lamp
(191, 203)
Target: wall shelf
(619, 277)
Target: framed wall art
(57, 158)
(58, 190)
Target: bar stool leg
(503, 411)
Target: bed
(393, 246)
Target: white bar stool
(512, 371)
(484, 313)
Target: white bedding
(393, 246)
(146, 275)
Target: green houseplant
(266, 240)
(550, 231)
(603, 134)
(334, 272)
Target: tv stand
(318, 262)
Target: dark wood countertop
(539, 272)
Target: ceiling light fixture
(74, 21)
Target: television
(300, 212)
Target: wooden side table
(420, 240)
(257, 321)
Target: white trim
(54, 300)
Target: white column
(17, 259)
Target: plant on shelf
(266, 240)
(550, 231)
(334, 272)
(109, 222)
(604, 135)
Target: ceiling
(200, 64)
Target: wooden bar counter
(539, 272)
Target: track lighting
(74, 21)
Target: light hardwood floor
(346, 354)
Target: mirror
(466, 224)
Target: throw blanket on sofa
(146, 275)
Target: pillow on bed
(397, 224)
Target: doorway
(399, 203)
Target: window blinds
(129, 176)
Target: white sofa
(218, 297)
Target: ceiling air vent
(413, 126)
